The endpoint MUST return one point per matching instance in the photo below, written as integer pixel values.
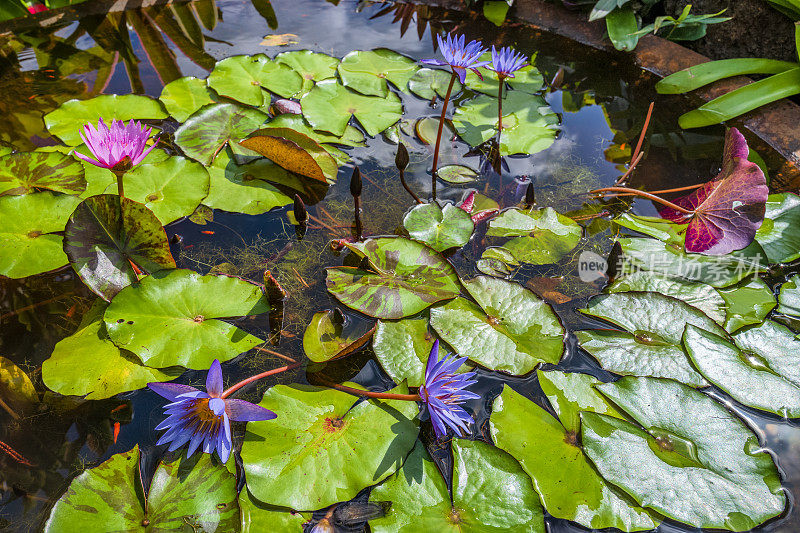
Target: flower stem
(120, 188)
(439, 134)
(237, 386)
(370, 394)
(499, 111)
(642, 194)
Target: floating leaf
(330, 105)
(427, 83)
(658, 228)
(192, 493)
(565, 480)
(258, 516)
(510, 329)
(66, 121)
(779, 235)
(29, 225)
(543, 235)
(439, 228)
(497, 261)
(171, 318)
(331, 335)
(569, 394)
(367, 71)
(313, 67)
(105, 234)
(25, 172)
(696, 462)
(427, 128)
(293, 151)
(789, 297)
(352, 135)
(206, 132)
(490, 493)
(298, 460)
(16, 388)
(405, 277)
(529, 125)
(456, 174)
(649, 344)
(186, 95)
(747, 302)
(283, 39)
(526, 80)
(244, 78)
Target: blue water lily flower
(199, 417)
(443, 392)
(459, 57)
(506, 62)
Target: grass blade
(695, 77)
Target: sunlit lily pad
(330, 335)
(527, 80)
(405, 277)
(325, 446)
(456, 174)
(193, 493)
(542, 235)
(25, 172)
(789, 297)
(427, 83)
(571, 393)
(312, 66)
(569, 487)
(244, 78)
(206, 132)
(402, 348)
(352, 135)
(293, 151)
(171, 318)
(330, 105)
(510, 329)
(747, 302)
(490, 493)
(650, 345)
(30, 224)
(658, 228)
(695, 462)
(184, 96)
(439, 228)
(367, 71)
(497, 261)
(258, 516)
(779, 235)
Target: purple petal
(214, 385)
(435, 62)
(170, 391)
(243, 411)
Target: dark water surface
(602, 106)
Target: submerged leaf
(25, 172)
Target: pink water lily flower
(119, 147)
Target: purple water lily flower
(459, 57)
(112, 145)
(443, 392)
(199, 417)
(506, 62)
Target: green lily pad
(788, 298)
(650, 345)
(352, 135)
(456, 174)
(325, 446)
(29, 225)
(206, 132)
(696, 462)
(746, 375)
(439, 228)
(526, 80)
(331, 335)
(67, 121)
(192, 493)
(491, 492)
(564, 478)
(244, 78)
(171, 318)
(510, 329)
(186, 95)
(542, 235)
(569, 394)
(88, 364)
(497, 261)
(105, 234)
(773, 344)
(658, 228)
(25, 172)
(171, 189)
(312, 66)
(747, 302)
(17, 388)
(258, 516)
(779, 234)
(427, 128)
(405, 277)
(529, 125)
(367, 71)
(427, 83)
(330, 105)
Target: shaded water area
(602, 104)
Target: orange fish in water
(116, 431)
(207, 232)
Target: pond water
(601, 106)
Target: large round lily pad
(206, 132)
(25, 172)
(312, 66)
(367, 71)
(244, 78)
(779, 234)
(330, 105)
(172, 318)
(402, 348)
(542, 236)
(325, 446)
(258, 516)
(439, 228)
(186, 95)
(510, 329)
(694, 462)
(490, 493)
(427, 83)
(404, 277)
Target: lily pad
(25, 172)
(526, 80)
(658, 228)
(779, 235)
(352, 135)
(789, 297)
(293, 151)
(456, 174)
(569, 487)
(30, 224)
(186, 95)
(244, 78)
(245, 188)
(427, 83)
(747, 302)
(367, 71)
(402, 348)
(490, 493)
(105, 234)
(66, 121)
(191, 493)
(312, 66)
(696, 462)
(171, 318)
(439, 228)
(331, 335)
(497, 261)
(510, 329)
(298, 460)
(649, 344)
(405, 277)
(569, 394)
(206, 132)
(330, 105)
(427, 128)
(543, 236)
(529, 125)
(258, 516)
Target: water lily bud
(355, 182)
(401, 159)
(530, 195)
(286, 107)
(300, 213)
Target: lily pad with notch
(312, 66)
(542, 236)
(26, 172)
(367, 71)
(244, 78)
(526, 80)
(456, 174)
(748, 302)
(428, 83)
(186, 95)
(440, 228)
(331, 334)
(330, 105)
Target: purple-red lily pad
(728, 210)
